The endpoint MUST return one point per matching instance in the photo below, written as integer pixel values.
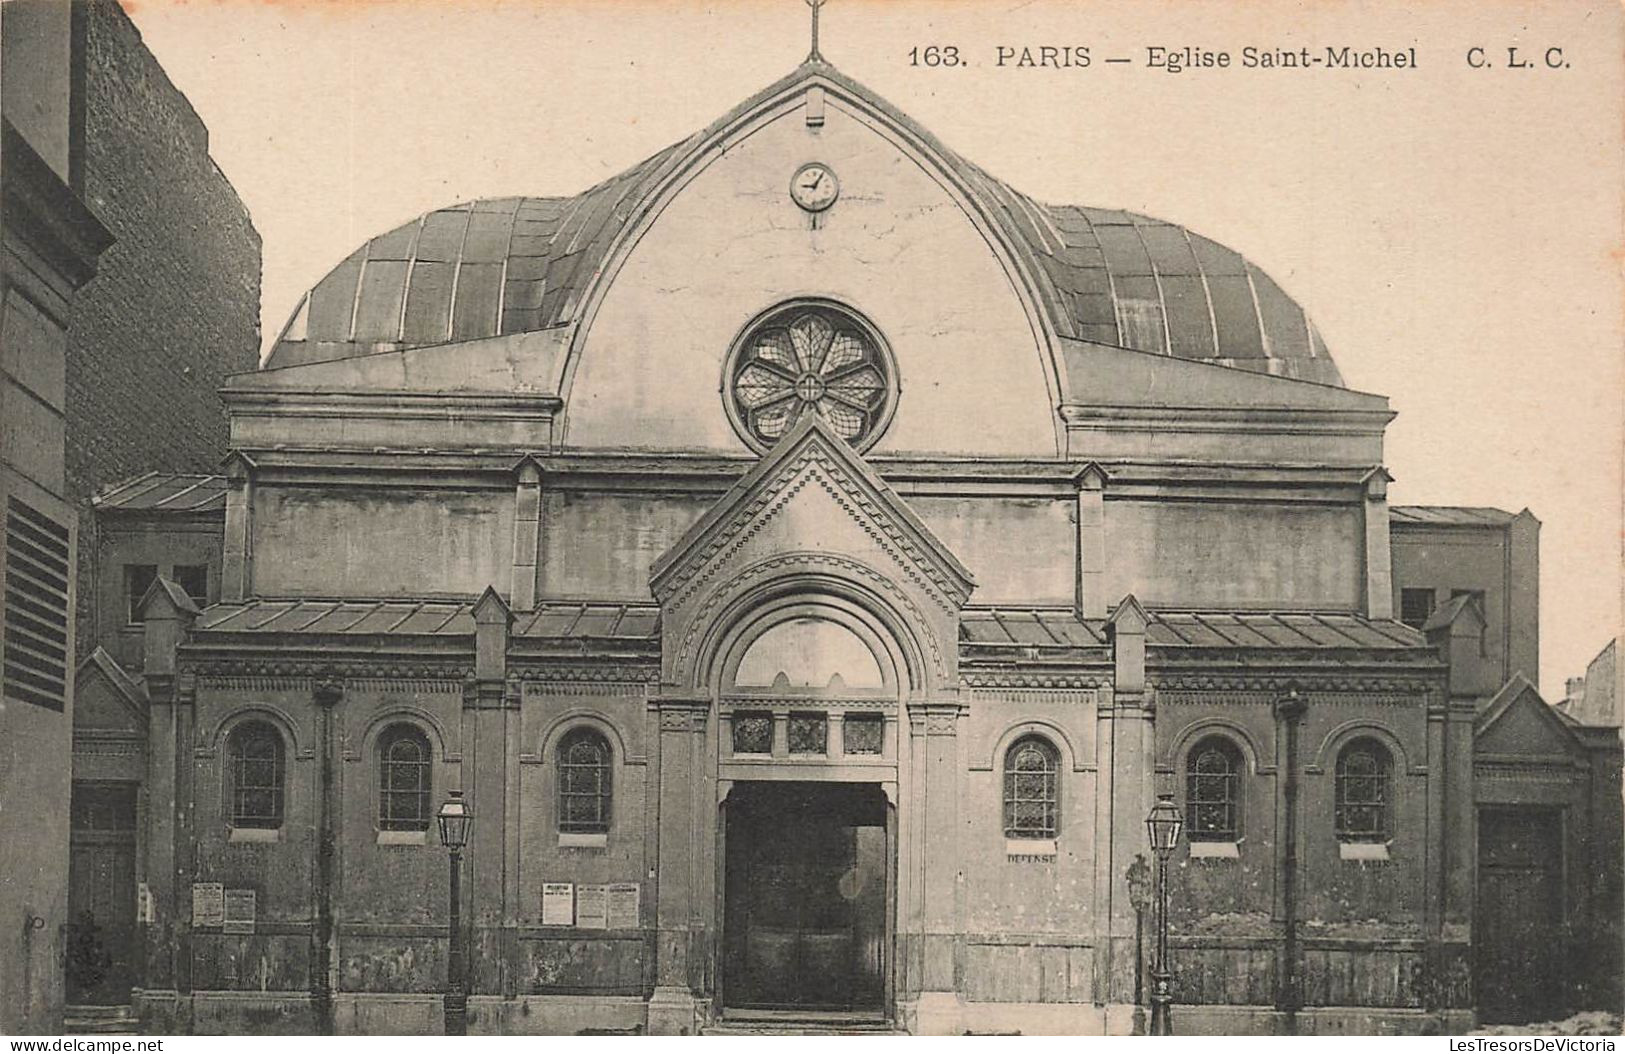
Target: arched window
(584, 783)
(254, 754)
(1213, 791)
(1365, 776)
(1031, 789)
(404, 786)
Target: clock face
(814, 187)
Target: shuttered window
(36, 608)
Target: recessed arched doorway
(808, 705)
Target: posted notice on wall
(558, 904)
(239, 911)
(623, 906)
(592, 907)
(208, 904)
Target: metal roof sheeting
(515, 265)
(166, 492)
(1027, 628)
(552, 620)
(1450, 515)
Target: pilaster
(1132, 764)
(236, 578)
(527, 533)
(1379, 576)
(1091, 523)
(681, 945)
(935, 752)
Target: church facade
(810, 558)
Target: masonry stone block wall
(175, 306)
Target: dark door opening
(101, 894)
(805, 897)
(1518, 950)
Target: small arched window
(584, 783)
(1213, 791)
(1365, 776)
(1031, 789)
(255, 756)
(404, 785)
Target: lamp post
(455, 820)
(1163, 826)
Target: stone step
(88, 1020)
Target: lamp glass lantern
(1164, 824)
(455, 819)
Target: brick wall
(175, 307)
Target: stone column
(934, 728)
(682, 813)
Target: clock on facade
(814, 186)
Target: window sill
(583, 841)
(1028, 849)
(255, 834)
(1215, 850)
(1363, 850)
(403, 837)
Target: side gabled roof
(512, 265)
(811, 436)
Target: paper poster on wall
(623, 906)
(592, 907)
(208, 904)
(558, 904)
(239, 911)
(145, 909)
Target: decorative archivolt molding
(802, 561)
(875, 520)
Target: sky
(1454, 231)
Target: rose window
(810, 359)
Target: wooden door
(805, 902)
(101, 894)
(1519, 930)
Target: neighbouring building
(130, 289)
(810, 558)
(1594, 698)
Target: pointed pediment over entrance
(812, 453)
(1518, 722)
(810, 508)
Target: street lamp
(455, 820)
(1163, 826)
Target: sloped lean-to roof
(514, 265)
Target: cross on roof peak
(813, 55)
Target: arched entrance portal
(808, 705)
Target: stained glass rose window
(810, 358)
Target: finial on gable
(813, 55)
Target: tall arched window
(584, 783)
(1213, 791)
(1365, 776)
(1031, 789)
(404, 786)
(254, 754)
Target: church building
(809, 558)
